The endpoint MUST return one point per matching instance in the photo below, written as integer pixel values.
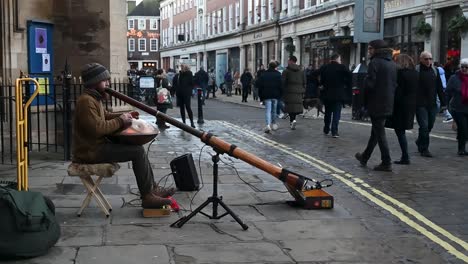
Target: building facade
(83, 32)
(241, 34)
(143, 37)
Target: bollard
(200, 105)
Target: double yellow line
(386, 202)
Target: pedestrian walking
(404, 107)
(161, 82)
(447, 116)
(430, 86)
(380, 86)
(184, 89)
(211, 83)
(269, 89)
(202, 79)
(246, 81)
(228, 81)
(336, 80)
(457, 91)
(237, 83)
(259, 72)
(293, 85)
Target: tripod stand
(215, 199)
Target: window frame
(130, 46)
(133, 23)
(139, 23)
(151, 24)
(139, 44)
(151, 45)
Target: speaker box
(185, 173)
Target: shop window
(450, 43)
(400, 34)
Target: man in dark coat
(246, 81)
(269, 90)
(430, 86)
(184, 89)
(293, 90)
(380, 86)
(202, 79)
(336, 81)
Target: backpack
(28, 227)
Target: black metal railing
(49, 116)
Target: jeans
(228, 88)
(401, 135)
(280, 107)
(270, 110)
(245, 94)
(462, 129)
(378, 137)
(204, 87)
(426, 118)
(140, 164)
(332, 108)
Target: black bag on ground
(28, 227)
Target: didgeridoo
(293, 180)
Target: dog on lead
(311, 103)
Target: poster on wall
(41, 40)
(45, 62)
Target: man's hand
(127, 120)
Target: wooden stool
(85, 171)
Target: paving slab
(259, 252)
(141, 254)
(153, 234)
(305, 229)
(81, 236)
(56, 255)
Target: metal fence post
(200, 106)
(67, 112)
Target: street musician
(91, 126)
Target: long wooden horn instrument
(291, 179)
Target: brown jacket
(90, 126)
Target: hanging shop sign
(369, 18)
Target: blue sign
(40, 59)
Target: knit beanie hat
(378, 44)
(94, 73)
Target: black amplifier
(185, 173)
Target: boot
(163, 192)
(151, 201)
(361, 159)
(383, 167)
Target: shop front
(450, 45)
(400, 34)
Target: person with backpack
(228, 81)
(430, 86)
